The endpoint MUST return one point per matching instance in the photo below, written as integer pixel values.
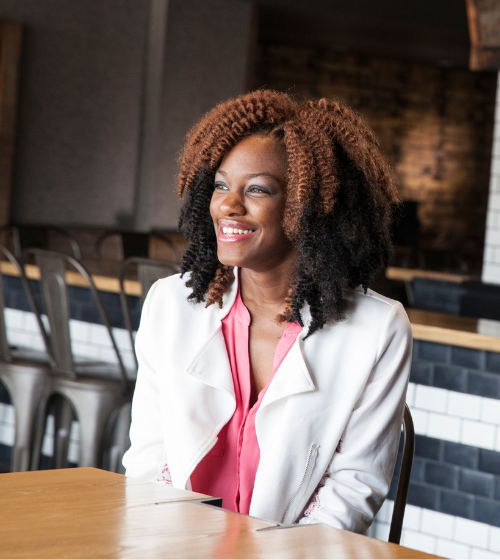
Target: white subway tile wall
(491, 259)
(439, 533)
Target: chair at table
(25, 374)
(404, 478)
(148, 272)
(40, 237)
(92, 392)
(133, 244)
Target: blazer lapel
(291, 378)
(211, 364)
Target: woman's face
(248, 203)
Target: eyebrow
(252, 175)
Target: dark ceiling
(433, 31)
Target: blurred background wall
(109, 89)
(86, 74)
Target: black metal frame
(404, 478)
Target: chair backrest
(133, 244)
(5, 353)
(52, 267)
(404, 478)
(148, 272)
(38, 236)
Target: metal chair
(38, 236)
(133, 244)
(92, 392)
(404, 478)
(148, 272)
(24, 377)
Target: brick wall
(434, 124)
(491, 261)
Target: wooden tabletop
(87, 513)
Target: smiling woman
(285, 398)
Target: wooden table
(87, 513)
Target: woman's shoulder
(370, 300)
(375, 309)
(172, 293)
(173, 286)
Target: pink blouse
(229, 469)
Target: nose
(233, 204)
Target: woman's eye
(220, 186)
(258, 190)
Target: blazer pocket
(304, 481)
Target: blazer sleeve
(144, 459)
(358, 478)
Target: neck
(266, 290)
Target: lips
(232, 232)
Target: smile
(232, 231)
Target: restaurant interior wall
(435, 124)
(81, 102)
(491, 261)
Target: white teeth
(229, 230)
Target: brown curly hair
(339, 199)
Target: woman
(285, 398)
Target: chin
(228, 259)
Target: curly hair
(339, 198)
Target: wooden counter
(87, 513)
(104, 283)
(409, 274)
(481, 334)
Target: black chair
(404, 478)
(94, 393)
(25, 374)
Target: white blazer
(333, 410)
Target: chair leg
(94, 413)
(38, 433)
(25, 418)
(63, 418)
(91, 436)
(26, 387)
(118, 440)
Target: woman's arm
(145, 458)
(359, 475)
